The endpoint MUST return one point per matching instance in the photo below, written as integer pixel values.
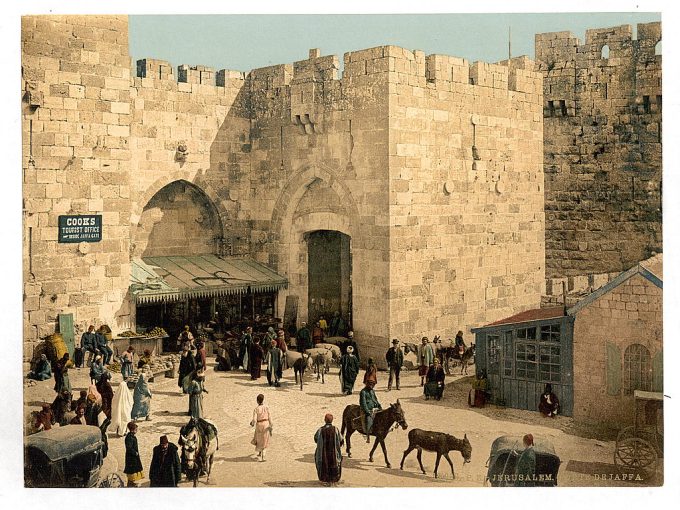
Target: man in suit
(395, 359)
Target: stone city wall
(466, 192)
(602, 148)
(429, 164)
(76, 120)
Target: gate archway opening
(329, 271)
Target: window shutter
(657, 372)
(613, 369)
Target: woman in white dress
(121, 409)
(263, 427)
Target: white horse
(198, 450)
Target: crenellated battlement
(398, 64)
(159, 74)
(555, 47)
(441, 69)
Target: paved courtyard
(297, 414)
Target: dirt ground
(296, 415)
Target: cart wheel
(112, 481)
(625, 433)
(637, 456)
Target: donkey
(452, 356)
(299, 367)
(436, 442)
(321, 362)
(353, 419)
(198, 449)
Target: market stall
(203, 291)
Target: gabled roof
(638, 269)
(537, 314)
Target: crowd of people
(119, 411)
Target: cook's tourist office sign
(80, 228)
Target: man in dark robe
(256, 357)
(303, 338)
(244, 349)
(328, 454)
(196, 389)
(336, 326)
(165, 469)
(61, 378)
(133, 464)
(349, 369)
(350, 342)
(106, 391)
(274, 364)
(549, 404)
(187, 364)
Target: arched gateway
(180, 273)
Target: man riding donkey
(460, 344)
(370, 406)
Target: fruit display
(128, 334)
(157, 331)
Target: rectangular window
(525, 360)
(563, 107)
(646, 104)
(508, 357)
(551, 108)
(526, 334)
(493, 353)
(550, 333)
(549, 363)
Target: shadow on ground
(456, 396)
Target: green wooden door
(66, 330)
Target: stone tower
(602, 147)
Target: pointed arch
(209, 199)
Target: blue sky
(244, 42)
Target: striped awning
(167, 279)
